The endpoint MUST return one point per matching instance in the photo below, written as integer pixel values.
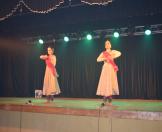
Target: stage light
(41, 41)
(29, 102)
(66, 39)
(116, 34)
(147, 32)
(89, 36)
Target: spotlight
(116, 34)
(147, 32)
(66, 39)
(102, 104)
(41, 41)
(89, 36)
(29, 102)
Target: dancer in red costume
(50, 86)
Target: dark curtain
(139, 72)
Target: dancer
(50, 86)
(108, 83)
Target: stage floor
(121, 108)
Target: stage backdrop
(139, 75)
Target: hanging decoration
(7, 9)
(42, 6)
(96, 2)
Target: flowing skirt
(50, 86)
(108, 83)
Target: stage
(78, 115)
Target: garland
(96, 2)
(35, 6)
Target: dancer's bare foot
(110, 104)
(47, 102)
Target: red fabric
(51, 66)
(110, 60)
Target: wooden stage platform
(79, 115)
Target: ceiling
(76, 16)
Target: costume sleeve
(43, 57)
(101, 58)
(115, 54)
